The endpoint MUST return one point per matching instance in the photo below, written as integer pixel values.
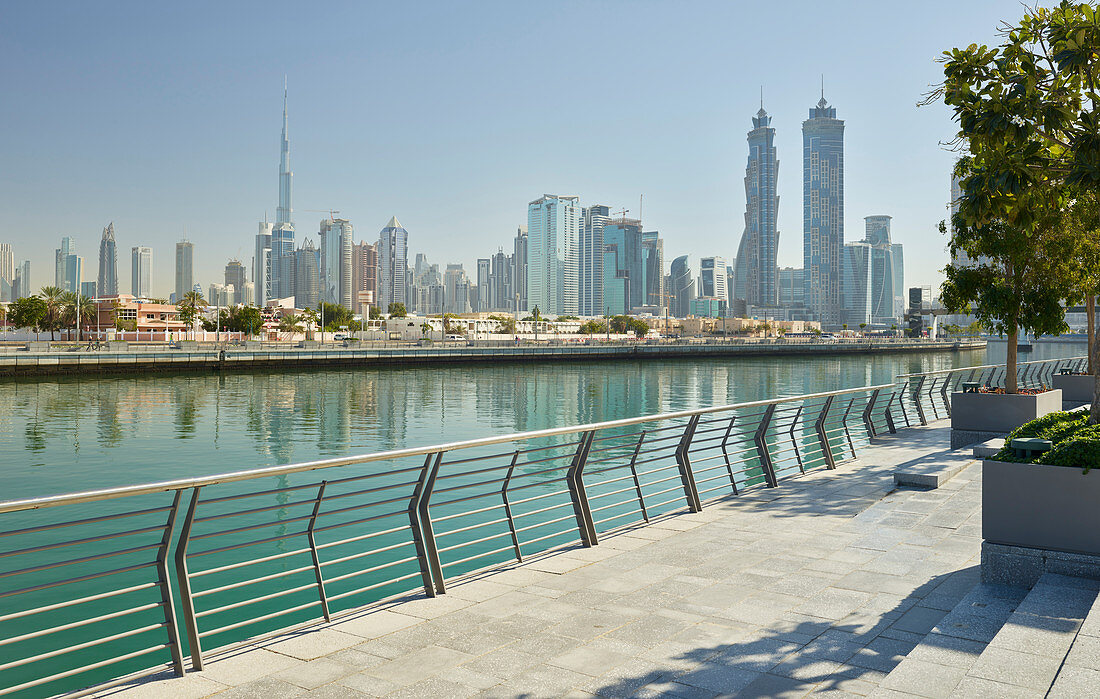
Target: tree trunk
(1094, 410)
(1010, 363)
(1090, 311)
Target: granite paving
(823, 585)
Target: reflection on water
(74, 434)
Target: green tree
(52, 320)
(397, 310)
(592, 327)
(28, 312)
(189, 307)
(1027, 114)
(335, 315)
(374, 313)
(242, 319)
(310, 318)
(290, 323)
(77, 311)
(1020, 288)
(506, 325)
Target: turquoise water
(78, 434)
(70, 434)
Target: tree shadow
(848, 655)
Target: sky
(165, 118)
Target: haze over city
(453, 118)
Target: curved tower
(756, 273)
(823, 212)
(108, 263)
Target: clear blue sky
(165, 119)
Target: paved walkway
(821, 586)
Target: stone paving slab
(822, 585)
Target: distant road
(262, 356)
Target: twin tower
(756, 271)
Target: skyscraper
(756, 255)
(623, 266)
(456, 290)
(141, 272)
(484, 273)
(553, 234)
(261, 264)
(185, 280)
(882, 269)
(654, 255)
(307, 276)
(500, 282)
(823, 211)
(682, 287)
(235, 275)
(69, 266)
(519, 280)
(108, 263)
(393, 264)
(282, 234)
(899, 280)
(712, 277)
(857, 288)
(21, 286)
(591, 259)
(7, 272)
(364, 277)
(336, 261)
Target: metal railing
(130, 581)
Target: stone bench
(932, 472)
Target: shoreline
(237, 359)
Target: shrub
(1079, 452)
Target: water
(72, 434)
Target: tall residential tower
(823, 212)
(755, 277)
(553, 269)
(282, 234)
(108, 263)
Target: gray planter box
(1000, 413)
(1076, 388)
(1042, 507)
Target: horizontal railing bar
(258, 619)
(78, 624)
(337, 525)
(253, 600)
(542, 524)
(467, 513)
(77, 522)
(73, 561)
(477, 525)
(477, 556)
(82, 578)
(75, 542)
(364, 491)
(82, 668)
(250, 581)
(983, 366)
(368, 588)
(364, 571)
(241, 564)
(618, 516)
(254, 510)
(364, 554)
(256, 493)
(245, 544)
(250, 527)
(81, 646)
(361, 537)
(463, 544)
(74, 602)
(202, 481)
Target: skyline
(449, 201)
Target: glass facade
(553, 269)
(624, 269)
(755, 276)
(393, 264)
(823, 212)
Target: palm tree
(311, 318)
(77, 311)
(3, 313)
(290, 323)
(189, 308)
(52, 296)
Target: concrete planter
(1076, 388)
(1000, 413)
(1041, 507)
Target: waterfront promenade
(76, 359)
(824, 585)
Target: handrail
(989, 366)
(264, 558)
(187, 483)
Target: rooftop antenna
(640, 198)
(822, 86)
(761, 97)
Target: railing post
(794, 440)
(172, 627)
(901, 401)
(822, 435)
(508, 506)
(191, 622)
(426, 525)
(920, 407)
(867, 421)
(314, 554)
(418, 530)
(585, 526)
(943, 394)
(634, 473)
(684, 463)
(847, 432)
(726, 454)
(889, 415)
(760, 438)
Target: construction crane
(331, 212)
(621, 214)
